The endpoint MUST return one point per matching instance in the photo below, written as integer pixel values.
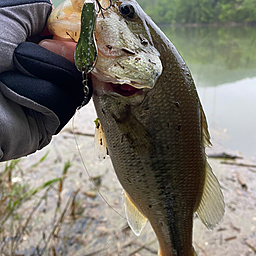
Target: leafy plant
(200, 11)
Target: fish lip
(125, 90)
(101, 76)
(118, 89)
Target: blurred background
(51, 205)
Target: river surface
(222, 61)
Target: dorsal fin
(212, 206)
(135, 218)
(205, 131)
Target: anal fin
(212, 207)
(135, 218)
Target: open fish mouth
(123, 89)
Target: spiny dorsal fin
(100, 144)
(135, 218)
(212, 206)
(206, 134)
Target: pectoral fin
(211, 207)
(135, 219)
(136, 134)
(100, 144)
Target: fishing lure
(86, 48)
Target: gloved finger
(61, 47)
(42, 92)
(34, 60)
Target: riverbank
(71, 218)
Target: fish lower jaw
(105, 84)
(109, 79)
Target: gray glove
(39, 90)
(19, 20)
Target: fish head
(128, 61)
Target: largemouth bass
(154, 127)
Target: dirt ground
(49, 205)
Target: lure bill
(86, 49)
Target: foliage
(197, 11)
(16, 217)
(200, 11)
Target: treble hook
(101, 9)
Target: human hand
(21, 20)
(60, 46)
(39, 90)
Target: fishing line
(101, 9)
(88, 173)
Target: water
(223, 64)
(57, 2)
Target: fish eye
(127, 10)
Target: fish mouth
(125, 90)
